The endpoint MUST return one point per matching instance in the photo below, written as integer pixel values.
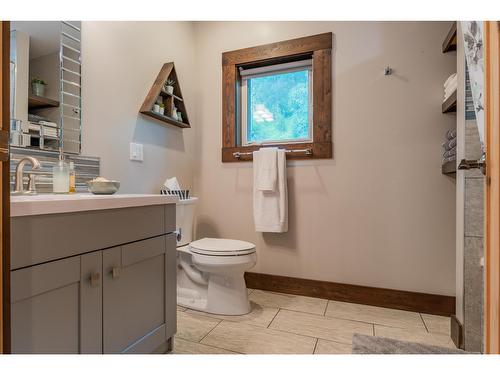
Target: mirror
(45, 89)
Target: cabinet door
(171, 285)
(134, 296)
(54, 309)
(91, 303)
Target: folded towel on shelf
(450, 153)
(48, 123)
(450, 86)
(451, 133)
(270, 208)
(49, 132)
(449, 144)
(451, 158)
(266, 169)
(447, 94)
(452, 78)
(34, 126)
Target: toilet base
(225, 295)
(213, 284)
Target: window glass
(278, 107)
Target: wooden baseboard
(457, 332)
(391, 298)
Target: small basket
(182, 194)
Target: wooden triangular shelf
(170, 100)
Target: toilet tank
(185, 220)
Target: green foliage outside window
(278, 107)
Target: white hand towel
(270, 208)
(264, 163)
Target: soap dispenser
(60, 177)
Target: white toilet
(210, 271)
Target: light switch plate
(136, 152)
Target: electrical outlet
(136, 152)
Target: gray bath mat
(362, 344)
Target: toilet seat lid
(221, 246)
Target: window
(276, 103)
(278, 94)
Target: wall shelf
(170, 100)
(450, 42)
(449, 168)
(166, 94)
(38, 102)
(450, 104)
(168, 120)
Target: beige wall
(120, 61)
(380, 213)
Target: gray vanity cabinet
(110, 292)
(56, 308)
(136, 305)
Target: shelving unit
(170, 100)
(169, 120)
(450, 105)
(39, 102)
(450, 42)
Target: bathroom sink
(44, 204)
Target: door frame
(4, 187)
(492, 204)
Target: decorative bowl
(103, 187)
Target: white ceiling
(44, 36)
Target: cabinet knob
(95, 278)
(115, 272)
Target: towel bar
(307, 151)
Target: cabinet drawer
(31, 281)
(43, 238)
(142, 250)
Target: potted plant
(162, 109)
(38, 86)
(169, 86)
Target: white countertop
(44, 204)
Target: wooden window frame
(319, 47)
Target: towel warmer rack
(307, 151)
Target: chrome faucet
(19, 186)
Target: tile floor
(288, 324)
